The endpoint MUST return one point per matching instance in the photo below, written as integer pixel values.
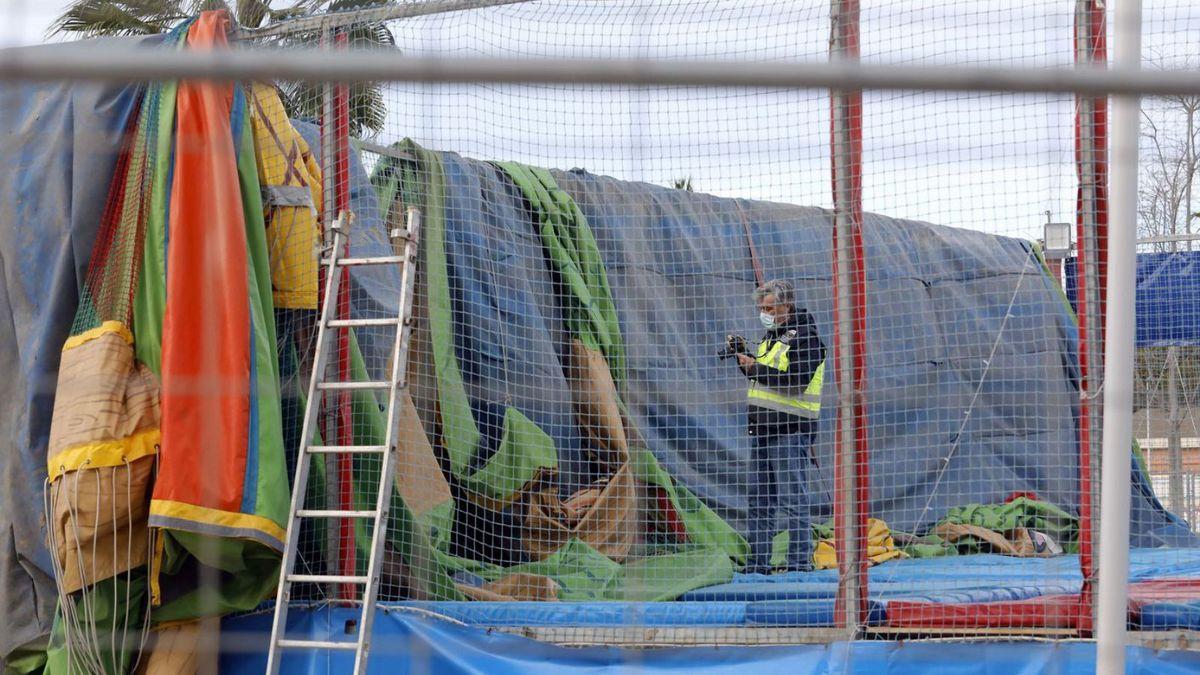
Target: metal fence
(913, 443)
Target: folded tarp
(59, 145)
(681, 279)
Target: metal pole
(127, 64)
(1119, 352)
(348, 549)
(327, 424)
(850, 470)
(1174, 447)
(1091, 221)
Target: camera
(734, 345)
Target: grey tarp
(58, 145)
(682, 277)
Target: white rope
(945, 463)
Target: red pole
(345, 426)
(851, 473)
(1091, 219)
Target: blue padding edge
(1169, 616)
(802, 613)
(411, 644)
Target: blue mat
(806, 599)
(1169, 616)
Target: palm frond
(252, 13)
(102, 17)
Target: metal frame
(1112, 602)
(1091, 218)
(851, 478)
(125, 64)
(398, 382)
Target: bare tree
(1165, 209)
(1169, 165)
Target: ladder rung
(347, 449)
(368, 384)
(326, 579)
(371, 260)
(333, 513)
(360, 323)
(316, 644)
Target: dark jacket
(805, 354)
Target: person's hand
(745, 360)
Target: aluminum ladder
(318, 386)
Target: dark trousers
(779, 487)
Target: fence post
(1118, 355)
(851, 477)
(1091, 219)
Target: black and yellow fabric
(804, 402)
(292, 200)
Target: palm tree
(93, 18)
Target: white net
(614, 405)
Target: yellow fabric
(880, 547)
(812, 393)
(103, 329)
(293, 232)
(234, 522)
(105, 453)
(764, 394)
(156, 569)
(776, 357)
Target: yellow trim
(203, 514)
(99, 331)
(156, 568)
(775, 358)
(765, 394)
(105, 453)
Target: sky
(987, 162)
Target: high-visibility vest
(802, 402)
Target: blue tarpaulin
(1168, 298)
(407, 643)
(972, 354)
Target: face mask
(767, 320)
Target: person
(784, 405)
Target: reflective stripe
(775, 358)
(288, 195)
(805, 404)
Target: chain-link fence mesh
(623, 403)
